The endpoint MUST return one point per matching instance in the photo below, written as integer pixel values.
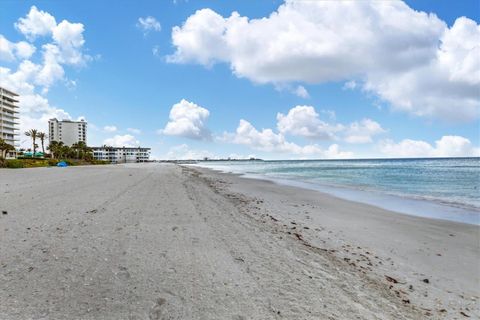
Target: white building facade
(67, 131)
(121, 154)
(9, 118)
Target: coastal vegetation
(39, 162)
(75, 155)
(79, 151)
(42, 136)
(33, 134)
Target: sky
(269, 79)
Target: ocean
(443, 188)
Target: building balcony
(9, 140)
(7, 131)
(9, 111)
(7, 124)
(4, 115)
(8, 120)
(8, 104)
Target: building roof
(9, 92)
(65, 120)
(120, 148)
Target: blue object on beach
(62, 164)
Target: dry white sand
(164, 242)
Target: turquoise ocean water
(447, 188)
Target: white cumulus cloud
(304, 121)
(148, 24)
(408, 58)
(68, 37)
(188, 120)
(126, 140)
(9, 51)
(63, 45)
(446, 146)
(24, 50)
(64, 48)
(36, 23)
(268, 140)
(446, 86)
(363, 131)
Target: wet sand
(160, 241)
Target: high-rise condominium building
(8, 116)
(67, 131)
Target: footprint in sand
(123, 273)
(157, 309)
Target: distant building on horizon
(67, 131)
(121, 154)
(9, 118)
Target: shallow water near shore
(442, 188)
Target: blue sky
(396, 83)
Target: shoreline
(285, 183)
(410, 247)
(158, 241)
(406, 205)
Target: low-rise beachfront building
(67, 131)
(9, 119)
(121, 154)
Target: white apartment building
(67, 131)
(9, 118)
(121, 154)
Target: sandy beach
(162, 241)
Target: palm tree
(32, 133)
(87, 153)
(66, 151)
(42, 136)
(55, 148)
(77, 149)
(84, 150)
(4, 148)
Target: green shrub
(14, 164)
(36, 163)
(39, 162)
